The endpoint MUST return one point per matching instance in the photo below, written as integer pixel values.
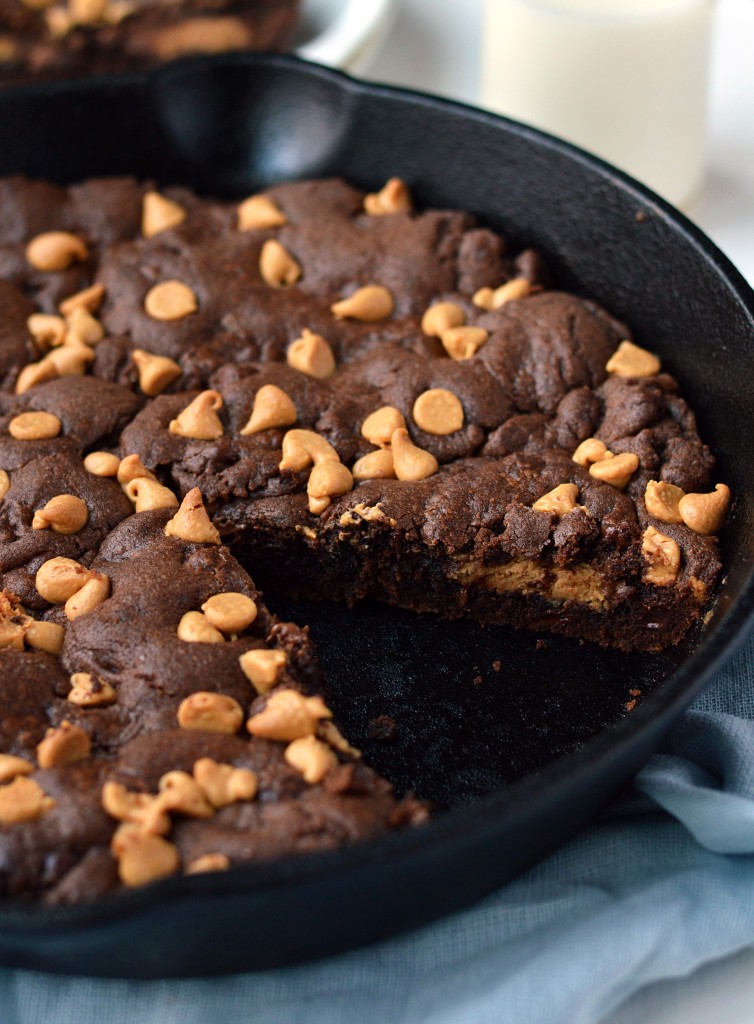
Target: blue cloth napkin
(659, 885)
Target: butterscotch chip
(311, 757)
(393, 197)
(272, 408)
(94, 592)
(55, 250)
(145, 858)
(559, 501)
(59, 578)
(374, 466)
(63, 745)
(223, 784)
(442, 317)
(261, 668)
(191, 521)
(155, 372)
(662, 555)
(258, 213)
(4, 483)
(88, 298)
(147, 495)
(379, 426)
(23, 800)
(411, 462)
(368, 304)
(230, 612)
(630, 360)
(170, 300)
(195, 628)
(213, 712)
(44, 636)
(11, 767)
(65, 513)
(288, 715)
(89, 691)
(34, 426)
(462, 343)
(102, 464)
(311, 354)
(47, 330)
(158, 214)
(276, 265)
(438, 411)
(199, 420)
(208, 862)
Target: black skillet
(517, 738)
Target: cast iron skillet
(515, 759)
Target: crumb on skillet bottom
(351, 398)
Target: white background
(434, 46)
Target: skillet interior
(465, 732)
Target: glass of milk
(626, 79)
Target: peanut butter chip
(132, 468)
(34, 426)
(223, 784)
(261, 668)
(87, 12)
(11, 767)
(35, 373)
(462, 343)
(199, 420)
(380, 425)
(559, 501)
(260, 212)
(276, 265)
(160, 214)
(64, 745)
(301, 448)
(89, 691)
(311, 757)
(147, 494)
(4, 483)
(374, 466)
(590, 451)
(327, 480)
(140, 809)
(83, 328)
(393, 197)
(438, 411)
(661, 500)
(48, 331)
(58, 579)
(706, 513)
(442, 317)
(311, 354)
(102, 464)
(208, 862)
(155, 372)
(368, 304)
(272, 408)
(616, 470)
(55, 250)
(663, 557)
(195, 628)
(230, 612)
(45, 636)
(180, 792)
(144, 858)
(411, 463)
(89, 299)
(95, 591)
(288, 715)
(170, 300)
(65, 513)
(629, 360)
(495, 298)
(191, 521)
(213, 712)
(23, 800)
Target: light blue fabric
(642, 894)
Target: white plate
(345, 34)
